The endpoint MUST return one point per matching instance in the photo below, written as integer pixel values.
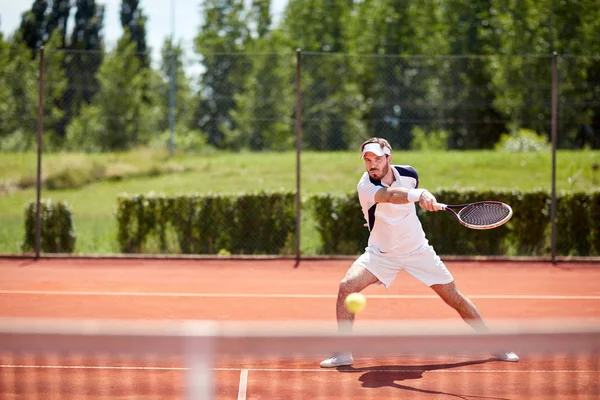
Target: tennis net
(68, 359)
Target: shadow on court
(389, 375)
(26, 262)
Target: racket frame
(504, 220)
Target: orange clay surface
(273, 290)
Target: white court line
(243, 384)
(244, 371)
(131, 368)
(284, 295)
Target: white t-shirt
(395, 228)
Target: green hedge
(257, 223)
(341, 224)
(264, 223)
(57, 231)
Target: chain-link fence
(112, 123)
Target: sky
(158, 27)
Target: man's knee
(356, 279)
(450, 294)
(347, 286)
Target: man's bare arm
(398, 195)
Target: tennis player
(397, 242)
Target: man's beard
(379, 176)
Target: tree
(18, 93)
(32, 30)
(260, 16)
(575, 39)
(332, 100)
(262, 117)
(466, 90)
(134, 20)
(58, 19)
(55, 87)
(400, 86)
(7, 104)
(521, 73)
(56, 65)
(89, 22)
(529, 32)
(174, 56)
(117, 118)
(220, 43)
(86, 51)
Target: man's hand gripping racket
(479, 215)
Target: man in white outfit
(397, 242)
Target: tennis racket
(480, 215)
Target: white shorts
(423, 264)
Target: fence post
(554, 133)
(38, 225)
(298, 151)
(172, 77)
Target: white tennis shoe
(337, 360)
(507, 356)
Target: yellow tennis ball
(355, 302)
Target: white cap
(376, 149)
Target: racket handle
(440, 206)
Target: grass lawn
(144, 171)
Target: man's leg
(356, 279)
(467, 310)
(465, 307)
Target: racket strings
(484, 214)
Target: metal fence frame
(298, 142)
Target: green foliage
(370, 68)
(57, 230)
(133, 21)
(259, 223)
(523, 140)
(32, 29)
(399, 86)
(18, 93)
(87, 29)
(57, 20)
(84, 130)
(85, 55)
(18, 141)
(341, 224)
(464, 94)
(594, 215)
(94, 204)
(117, 119)
(432, 140)
(577, 224)
(530, 225)
(262, 116)
(55, 88)
(173, 56)
(75, 177)
(260, 14)
(185, 140)
(220, 43)
(332, 101)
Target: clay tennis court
(273, 290)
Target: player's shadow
(389, 375)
